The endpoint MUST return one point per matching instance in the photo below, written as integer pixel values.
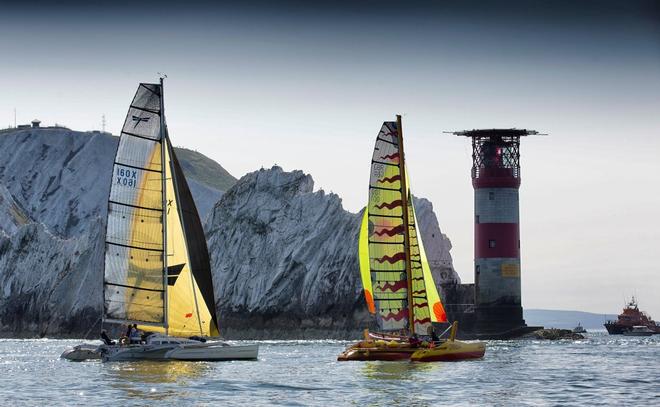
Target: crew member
(134, 335)
(106, 339)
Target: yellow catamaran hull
(392, 348)
(445, 352)
(450, 351)
(378, 350)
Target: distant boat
(579, 329)
(157, 272)
(639, 330)
(398, 286)
(631, 316)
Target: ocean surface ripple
(600, 370)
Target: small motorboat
(579, 329)
(639, 330)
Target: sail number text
(127, 178)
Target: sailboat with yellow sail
(157, 273)
(398, 285)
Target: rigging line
(92, 327)
(163, 153)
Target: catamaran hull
(135, 352)
(81, 353)
(214, 353)
(202, 352)
(385, 354)
(451, 351)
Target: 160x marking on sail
(127, 178)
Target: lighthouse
(496, 181)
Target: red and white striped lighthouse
(496, 180)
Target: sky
(307, 86)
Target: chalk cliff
(283, 256)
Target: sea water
(601, 369)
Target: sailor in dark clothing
(433, 336)
(106, 339)
(414, 341)
(134, 336)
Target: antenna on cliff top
(103, 123)
(14, 117)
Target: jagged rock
(553, 334)
(285, 259)
(13, 215)
(50, 286)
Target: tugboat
(629, 318)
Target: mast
(406, 224)
(163, 148)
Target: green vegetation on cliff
(198, 166)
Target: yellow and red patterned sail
(382, 247)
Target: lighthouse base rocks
(485, 322)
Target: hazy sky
(308, 88)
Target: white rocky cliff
(283, 257)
